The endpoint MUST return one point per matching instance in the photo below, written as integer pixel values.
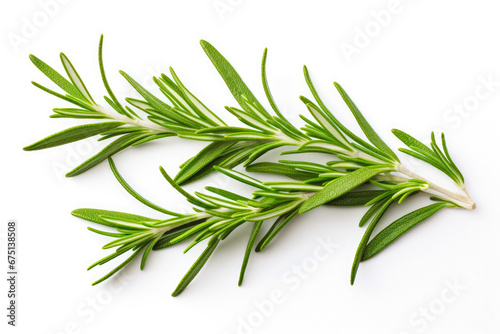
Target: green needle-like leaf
(73, 134)
(56, 78)
(243, 178)
(365, 126)
(184, 193)
(355, 198)
(399, 227)
(366, 236)
(75, 79)
(148, 250)
(207, 155)
(455, 168)
(195, 269)
(370, 212)
(123, 264)
(135, 194)
(253, 236)
(328, 125)
(343, 185)
(267, 90)
(116, 104)
(95, 215)
(113, 148)
(282, 169)
(413, 143)
(278, 225)
(233, 80)
(227, 194)
(199, 108)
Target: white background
(426, 59)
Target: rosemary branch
(218, 216)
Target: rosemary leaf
(343, 185)
(399, 227)
(253, 236)
(73, 134)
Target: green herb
(355, 162)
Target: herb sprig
(355, 163)
(216, 215)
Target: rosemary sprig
(356, 162)
(217, 215)
(187, 117)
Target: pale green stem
(464, 201)
(137, 122)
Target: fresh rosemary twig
(357, 162)
(217, 215)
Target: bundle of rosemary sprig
(355, 162)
